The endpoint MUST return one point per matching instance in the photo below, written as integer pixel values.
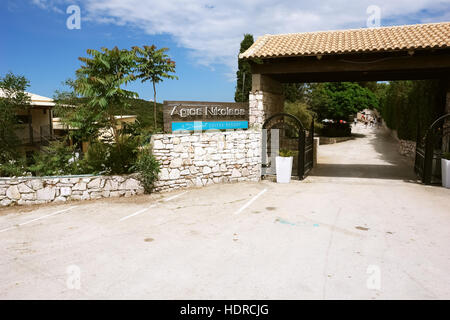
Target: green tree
(12, 99)
(101, 81)
(244, 74)
(301, 110)
(295, 92)
(380, 91)
(75, 113)
(54, 159)
(339, 100)
(371, 85)
(409, 104)
(153, 65)
(97, 95)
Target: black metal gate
(285, 131)
(430, 148)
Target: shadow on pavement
(397, 167)
(373, 171)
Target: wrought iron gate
(285, 131)
(430, 148)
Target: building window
(23, 119)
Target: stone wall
(36, 190)
(199, 159)
(265, 99)
(407, 148)
(262, 105)
(187, 159)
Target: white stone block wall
(200, 159)
(187, 159)
(256, 109)
(37, 190)
(262, 105)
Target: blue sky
(203, 36)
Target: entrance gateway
(411, 52)
(430, 149)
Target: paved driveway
(359, 227)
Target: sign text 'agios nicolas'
(195, 115)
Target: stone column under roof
(265, 99)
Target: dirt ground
(359, 227)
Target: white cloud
(212, 30)
(48, 5)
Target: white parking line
(36, 219)
(152, 206)
(175, 196)
(137, 212)
(250, 202)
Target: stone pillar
(265, 99)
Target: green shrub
(301, 111)
(446, 155)
(112, 158)
(148, 168)
(123, 155)
(96, 158)
(13, 168)
(55, 159)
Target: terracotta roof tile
(409, 37)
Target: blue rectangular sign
(208, 125)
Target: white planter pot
(445, 165)
(284, 169)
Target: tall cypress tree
(243, 87)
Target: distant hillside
(142, 108)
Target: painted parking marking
(152, 206)
(250, 201)
(174, 197)
(137, 212)
(39, 218)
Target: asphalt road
(359, 227)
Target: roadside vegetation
(411, 106)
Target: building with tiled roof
(383, 39)
(410, 52)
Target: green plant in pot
(284, 165)
(445, 167)
(286, 153)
